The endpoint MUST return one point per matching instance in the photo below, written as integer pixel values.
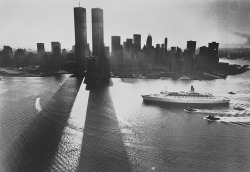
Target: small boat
(211, 118)
(231, 93)
(184, 78)
(189, 109)
(239, 108)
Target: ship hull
(186, 100)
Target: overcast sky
(23, 23)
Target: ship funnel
(192, 88)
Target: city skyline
(180, 21)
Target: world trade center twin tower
(81, 45)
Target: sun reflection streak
(69, 150)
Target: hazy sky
(23, 23)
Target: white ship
(186, 97)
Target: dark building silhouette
(5, 56)
(213, 53)
(129, 45)
(157, 53)
(208, 57)
(81, 50)
(137, 43)
(115, 43)
(191, 45)
(19, 57)
(106, 52)
(203, 58)
(124, 47)
(166, 44)
(56, 48)
(64, 52)
(40, 48)
(149, 42)
(187, 62)
(173, 49)
(203, 51)
(117, 52)
(98, 37)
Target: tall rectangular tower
(166, 44)
(81, 50)
(115, 43)
(56, 48)
(191, 45)
(97, 36)
(40, 48)
(137, 42)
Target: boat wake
(229, 116)
(38, 105)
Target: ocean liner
(186, 97)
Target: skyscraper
(56, 48)
(187, 62)
(81, 50)
(213, 49)
(137, 42)
(191, 45)
(149, 41)
(117, 51)
(129, 45)
(97, 36)
(166, 44)
(115, 43)
(106, 52)
(40, 48)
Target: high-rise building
(40, 48)
(73, 48)
(106, 52)
(203, 58)
(137, 43)
(191, 45)
(56, 48)
(166, 44)
(6, 55)
(213, 49)
(214, 46)
(129, 45)
(81, 50)
(97, 36)
(173, 50)
(187, 62)
(203, 51)
(115, 43)
(149, 41)
(117, 52)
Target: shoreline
(219, 74)
(13, 72)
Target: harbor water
(54, 124)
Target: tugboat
(211, 118)
(239, 108)
(231, 93)
(189, 109)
